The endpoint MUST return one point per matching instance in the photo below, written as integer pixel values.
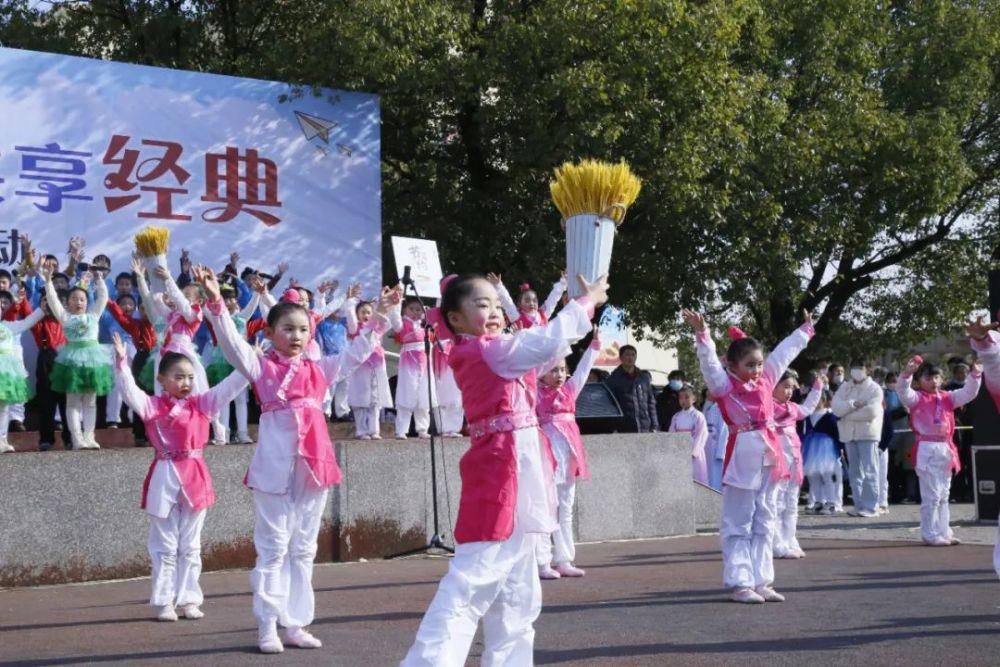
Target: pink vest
(557, 410)
(526, 320)
(377, 357)
(932, 418)
(495, 408)
(178, 326)
(444, 339)
(299, 384)
(411, 334)
(178, 431)
(785, 417)
(749, 406)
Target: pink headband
(291, 296)
(735, 333)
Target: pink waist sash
(558, 417)
(179, 455)
(502, 424)
(291, 404)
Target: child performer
(14, 386)
(506, 489)
(932, 415)
(293, 465)
(786, 414)
(689, 420)
(556, 410)
(718, 435)
(755, 462)
(821, 457)
(449, 398)
(217, 368)
(368, 386)
(82, 369)
(411, 382)
(178, 487)
(526, 313)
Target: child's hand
(385, 301)
(913, 365)
(977, 368)
(979, 329)
(494, 279)
(162, 273)
(76, 245)
(354, 291)
(694, 320)
(120, 351)
(397, 295)
(234, 257)
(282, 267)
(209, 282)
(596, 291)
(137, 267)
(807, 317)
(257, 285)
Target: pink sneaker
(769, 594)
(546, 572)
(569, 570)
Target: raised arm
(584, 366)
(904, 383)
(235, 349)
(100, 295)
(266, 303)
(143, 405)
(248, 310)
(218, 396)
(511, 356)
(55, 306)
(181, 303)
(558, 288)
(812, 400)
(338, 366)
(507, 303)
(716, 377)
(969, 390)
(784, 354)
(17, 327)
(352, 316)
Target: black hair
(412, 299)
(247, 271)
(99, 257)
(60, 274)
(357, 308)
(284, 308)
(169, 360)
(125, 275)
(77, 288)
(45, 257)
(836, 365)
(858, 363)
(126, 295)
(927, 368)
(677, 374)
(627, 348)
(4, 294)
(4, 273)
(689, 388)
(306, 290)
(63, 294)
(458, 290)
(740, 348)
(789, 374)
(891, 374)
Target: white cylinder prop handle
(589, 240)
(150, 264)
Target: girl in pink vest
(526, 313)
(755, 461)
(932, 416)
(557, 414)
(293, 464)
(506, 479)
(368, 386)
(449, 398)
(411, 380)
(178, 488)
(786, 415)
(689, 420)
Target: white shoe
(400, 436)
(569, 570)
(798, 553)
(364, 437)
(301, 638)
(884, 509)
(166, 613)
(78, 442)
(267, 638)
(5, 447)
(244, 439)
(376, 436)
(91, 441)
(746, 596)
(768, 594)
(423, 434)
(954, 541)
(546, 572)
(192, 611)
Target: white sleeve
(511, 356)
(338, 366)
(553, 299)
(988, 351)
(784, 354)
(267, 302)
(968, 392)
(234, 348)
(330, 307)
(507, 303)
(812, 401)
(133, 396)
(215, 398)
(247, 312)
(100, 297)
(180, 301)
(396, 318)
(583, 368)
(352, 316)
(716, 377)
(906, 393)
(700, 434)
(55, 305)
(17, 327)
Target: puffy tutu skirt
(82, 367)
(147, 374)
(819, 454)
(217, 368)
(14, 387)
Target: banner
(99, 150)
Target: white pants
(747, 532)
(175, 550)
(863, 467)
(827, 489)
(452, 417)
(785, 541)
(113, 410)
(286, 527)
(340, 405)
(366, 420)
(16, 412)
(565, 549)
(222, 419)
(715, 473)
(493, 581)
(421, 419)
(934, 470)
(883, 478)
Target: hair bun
(291, 296)
(735, 333)
(525, 287)
(447, 279)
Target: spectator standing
(858, 406)
(633, 387)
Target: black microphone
(406, 276)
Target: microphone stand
(436, 542)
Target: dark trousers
(48, 401)
(138, 428)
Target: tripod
(436, 543)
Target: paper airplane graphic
(314, 126)
(345, 150)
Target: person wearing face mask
(835, 377)
(667, 401)
(858, 405)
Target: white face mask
(676, 385)
(838, 378)
(858, 374)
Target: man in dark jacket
(667, 403)
(634, 390)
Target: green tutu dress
(14, 386)
(217, 368)
(83, 366)
(147, 374)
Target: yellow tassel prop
(594, 187)
(152, 241)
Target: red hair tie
(447, 279)
(735, 333)
(525, 287)
(291, 295)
